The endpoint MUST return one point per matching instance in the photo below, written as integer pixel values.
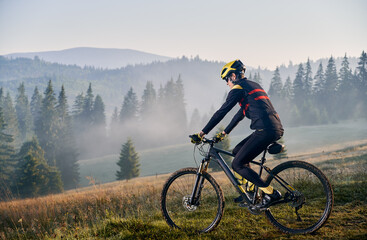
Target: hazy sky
(265, 32)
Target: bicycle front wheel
(308, 202)
(202, 216)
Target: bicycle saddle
(275, 148)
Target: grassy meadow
(299, 140)
(131, 209)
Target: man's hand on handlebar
(197, 138)
(219, 137)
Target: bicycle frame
(215, 152)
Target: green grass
(130, 210)
(348, 221)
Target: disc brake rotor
(186, 204)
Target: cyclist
(255, 105)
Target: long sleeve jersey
(254, 104)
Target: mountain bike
(192, 200)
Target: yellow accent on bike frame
(251, 186)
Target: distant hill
(96, 57)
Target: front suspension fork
(196, 191)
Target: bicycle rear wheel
(204, 215)
(309, 203)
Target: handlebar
(206, 140)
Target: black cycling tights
(248, 149)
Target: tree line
(324, 97)
(42, 139)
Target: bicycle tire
(314, 197)
(178, 214)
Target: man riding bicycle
(255, 105)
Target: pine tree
(224, 145)
(7, 161)
(148, 103)
(11, 120)
(331, 77)
(275, 90)
(331, 82)
(129, 109)
(128, 162)
(36, 105)
(86, 114)
(181, 117)
(347, 91)
(98, 113)
(47, 125)
(66, 152)
(77, 113)
(319, 79)
(362, 80)
(287, 91)
(33, 175)
(23, 111)
(298, 86)
(308, 80)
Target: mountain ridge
(107, 58)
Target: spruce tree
(47, 125)
(7, 160)
(308, 80)
(331, 82)
(128, 162)
(33, 175)
(129, 109)
(87, 112)
(331, 77)
(287, 91)
(11, 120)
(36, 105)
(66, 151)
(98, 112)
(77, 113)
(275, 90)
(298, 86)
(347, 91)
(319, 79)
(23, 111)
(148, 103)
(361, 77)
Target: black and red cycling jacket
(255, 105)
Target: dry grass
(39, 217)
(94, 211)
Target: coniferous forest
(43, 135)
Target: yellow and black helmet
(235, 66)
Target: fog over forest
(82, 113)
